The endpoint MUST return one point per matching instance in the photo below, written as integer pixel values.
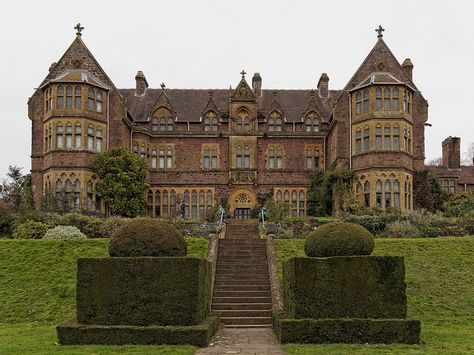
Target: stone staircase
(242, 295)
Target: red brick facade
(241, 145)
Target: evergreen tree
(121, 181)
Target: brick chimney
(323, 85)
(407, 65)
(257, 84)
(141, 84)
(452, 152)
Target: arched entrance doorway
(241, 203)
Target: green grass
(37, 292)
(440, 291)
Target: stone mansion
(240, 144)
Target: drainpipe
(108, 121)
(350, 131)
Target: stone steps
(265, 287)
(241, 306)
(255, 282)
(245, 321)
(242, 294)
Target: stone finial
(379, 30)
(141, 84)
(163, 86)
(79, 29)
(243, 72)
(407, 66)
(323, 85)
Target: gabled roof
(380, 78)
(188, 103)
(77, 76)
(243, 92)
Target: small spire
(211, 93)
(379, 30)
(162, 86)
(312, 93)
(243, 74)
(275, 94)
(79, 29)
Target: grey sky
(205, 44)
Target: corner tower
(386, 116)
(71, 121)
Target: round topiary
(147, 237)
(339, 239)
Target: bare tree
(469, 155)
(436, 161)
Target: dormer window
(275, 122)
(210, 122)
(166, 124)
(312, 122)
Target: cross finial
(79, 29)
(162, 86)
(243, 73)
(379, 30)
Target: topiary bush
(30, 230)
(64, 233)
(339, 239)
(147, 237)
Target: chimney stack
(141, 84)
(407, 65)
(257, 84)
(452, 152)
(323, 85)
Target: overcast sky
(205, 44)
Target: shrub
(6, 220)
(89, 225)
(375, 223)
(111, 224)
(30, 230)
(460, 204)
(401, 229)
(64, 232)
(147, 237)
(339, 239)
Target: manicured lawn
(37, 292)
(440, 291)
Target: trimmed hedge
(72, 333)
(143, 291)
(354, 331)
(147, 237)
(345, 287)
(339, 239)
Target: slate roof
(77, 76)
(465, 173)
(189, 103)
